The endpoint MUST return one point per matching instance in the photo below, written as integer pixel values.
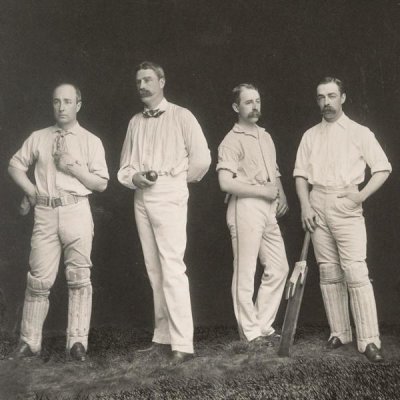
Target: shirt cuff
(125, 178)
(16, 164)
(230, 166)
(300, 172)
(381, 166)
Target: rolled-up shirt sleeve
(228, 159)
(196, 146)
(127, 169)
(26, 155)
(97, 164)
(374, 155)
(302, 158)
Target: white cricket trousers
(69, 230)
(255, 232)
(161, 216)
(340, 246)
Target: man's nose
(141, 84)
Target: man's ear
(162, 83)
(343, 98)
(78, 105)
(235, 107)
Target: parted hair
(151, 65)
(331, 79)
(238, 89)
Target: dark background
(206, 48)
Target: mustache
(328, 108)
(254, 114)
(144, 93)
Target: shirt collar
(162, 106)
(342, 122)
(74, 130)
(239, 129)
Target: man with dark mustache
(167, 140)
(332, 157)
(247, 170)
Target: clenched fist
(271, 192)
(64, 162)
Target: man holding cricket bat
(332, 157)
(247, 170)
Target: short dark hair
(330, 79)
(77, 90)
(158, 69)
(238, 89)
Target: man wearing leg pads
(69, 164)
(332, 157)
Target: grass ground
(224, 368)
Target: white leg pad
(79, 306)
(336, 301)
(35, 310)
(363, 306)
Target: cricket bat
(294, 294)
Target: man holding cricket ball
(164, 149)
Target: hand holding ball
(151, 176)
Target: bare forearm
(240, 189)
(21, 179)
(376, 181)
(303, 192)
(233, 186)
(280, 188)
(90, 180)
(308, 215)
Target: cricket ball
(151, 176)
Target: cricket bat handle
(306, 245)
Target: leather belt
(59, 201)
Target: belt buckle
(57, 202)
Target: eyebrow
(62, 98)
(329, 94)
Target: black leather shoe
(77, 352)
(155, 348)
(274, 336)
(373, 353)
(22, 351)
(257, 340)
(260, 341)
(179, 357)
(273, 339)
(333, 343)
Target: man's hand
(65, 163)
(28, 202)
(283, 207)
(140, 181)
(308, 218)
(355, 197)
(270, 191)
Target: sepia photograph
(199, 200)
